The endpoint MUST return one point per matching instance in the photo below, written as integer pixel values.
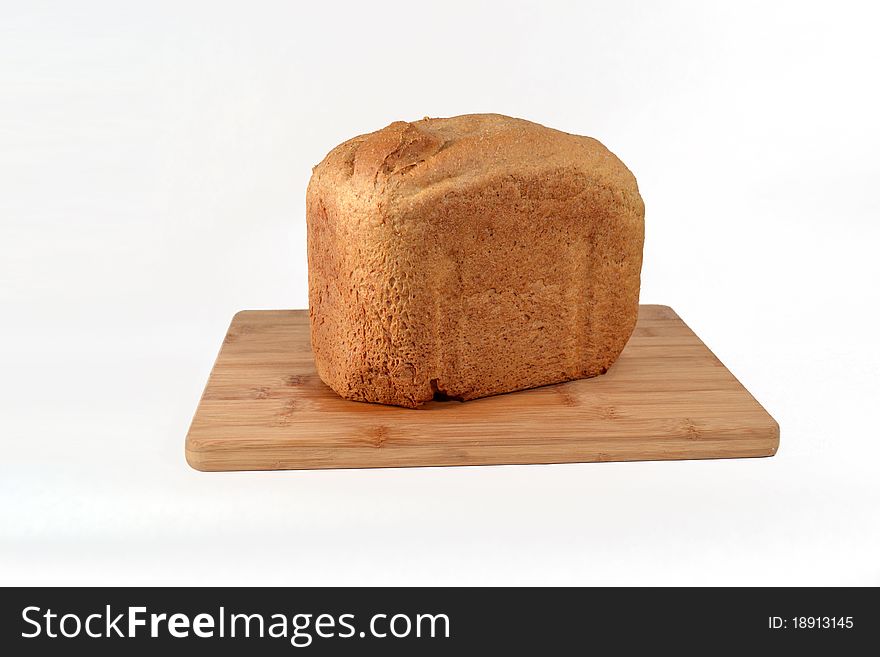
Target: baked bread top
(432, 156)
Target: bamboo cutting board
(667, 397)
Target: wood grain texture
(667, 397)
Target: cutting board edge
(215, 460)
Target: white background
(153, 164)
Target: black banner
(113, 621)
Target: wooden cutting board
(667, 397)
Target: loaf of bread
(470, 256)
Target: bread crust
(468, 257)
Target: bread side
(470, 256)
